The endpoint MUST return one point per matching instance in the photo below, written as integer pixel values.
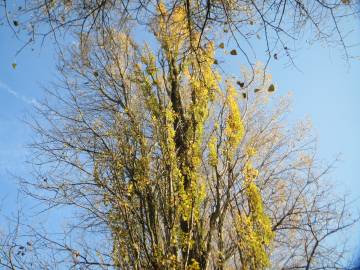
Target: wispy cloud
(28, 100)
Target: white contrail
(31, 101)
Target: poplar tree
(171, 163)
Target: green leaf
(271, 88)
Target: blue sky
(325, 87)
(19, 90)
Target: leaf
(222, 46)
(244, 95)
(275, 56)
(233, 52)
(271, 88)
(76, 253)
(241, 84)
(257, 90)
(225, 30)
(14, 65)
(216, 62)
(96, 74)
(16, 23)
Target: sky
(325, 87)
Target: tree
(172, 165)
